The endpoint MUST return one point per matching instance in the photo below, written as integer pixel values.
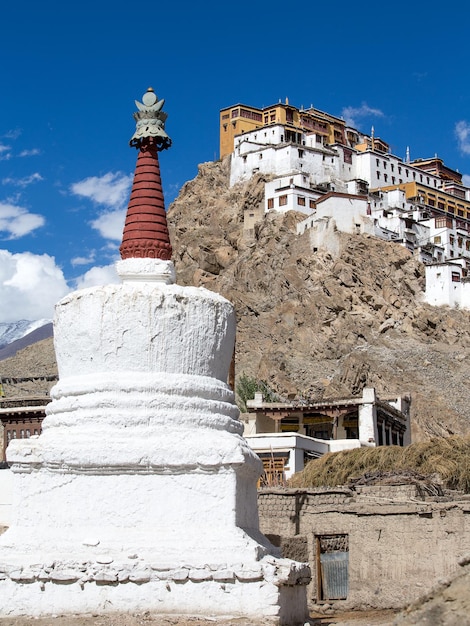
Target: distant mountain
(15, 336)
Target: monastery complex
(344, 180)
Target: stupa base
(271, 590)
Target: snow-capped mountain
(11, 331)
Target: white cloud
(110, 190)
(462, 132)
(466, 180)
(23, 182)
(30, 285)
(13, 134)
(110, 224)
(352, 114)
(83, 260)
(31, 152)
(98, 276)
(16, 221)
(5, 153)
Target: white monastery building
(343, 179)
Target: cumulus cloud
(23, 182)
(112, 192)
(98, 276)
(30, 285)
(110, 224)
(462, 132)
(16, 221)
(351, 115)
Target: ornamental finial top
(150, 122)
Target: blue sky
(70, 73)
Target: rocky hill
(318, 323)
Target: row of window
(301, 201)
(407, 173)
(23, 433)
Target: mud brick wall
(399, 544)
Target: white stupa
(140, 493)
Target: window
(385, 165)
(437, 239)
(392, 167)
(399, 169)
(270, 203)
(455, 277)
(283, 200)
(385, 177)
(301, 200)
(311, 204)
(378, 175)
(301, 154)
(460, 242)
(260, 156)
(452, 240)
(377, 161)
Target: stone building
(374, 547)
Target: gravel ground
(369, 618)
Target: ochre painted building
(240, 118)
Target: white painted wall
(382, 170)
(6, 495)
(296, 445)
(348, 212)
(442, 290)
(296, 188)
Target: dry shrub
(447, 457)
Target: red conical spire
(146, 230)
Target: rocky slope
(318, 324)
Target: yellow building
(438, 200)
(239, 118)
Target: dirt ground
(369, 618)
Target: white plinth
(140, 494)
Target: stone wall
(400, 543)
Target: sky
(70, 73)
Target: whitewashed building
(447, 284)
(286, 435)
